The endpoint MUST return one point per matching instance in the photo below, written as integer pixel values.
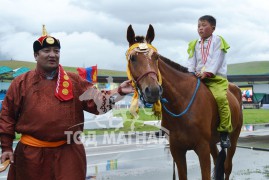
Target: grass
(256, 116)
(251, 116)
(250, 68)
(131, 123)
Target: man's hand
(7, 155)
(126, 88)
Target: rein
(147, 105)
(164, 101)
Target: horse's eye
(155, 56)
(132, 58)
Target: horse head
(143, 65)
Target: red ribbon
(64, 90)
(205, 54)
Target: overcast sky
(94, 31)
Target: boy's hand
(204, 75)
(201, 75)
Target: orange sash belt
(31, 141)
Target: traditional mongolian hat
(45, 41)
(64, 87)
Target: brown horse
(196, 128)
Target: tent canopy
(257, 97)
(20, 71)
(5, 69)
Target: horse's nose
(153, 92)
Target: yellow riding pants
(218, 86)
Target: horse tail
(219, 166)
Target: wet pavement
(119, 157)
(248, 164)
(154, 161)
(258, 139)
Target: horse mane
(174, 64)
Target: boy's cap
(45, 41)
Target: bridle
(144, 75)
(141, 48)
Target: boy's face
(205, 29)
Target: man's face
(205, 29)
(48, 58)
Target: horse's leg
(203, 152)
(214, 152)
(230, 153)
(182, 165)
(180, 159)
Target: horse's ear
(130, 35)
(150, 34)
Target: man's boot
(224, 140)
